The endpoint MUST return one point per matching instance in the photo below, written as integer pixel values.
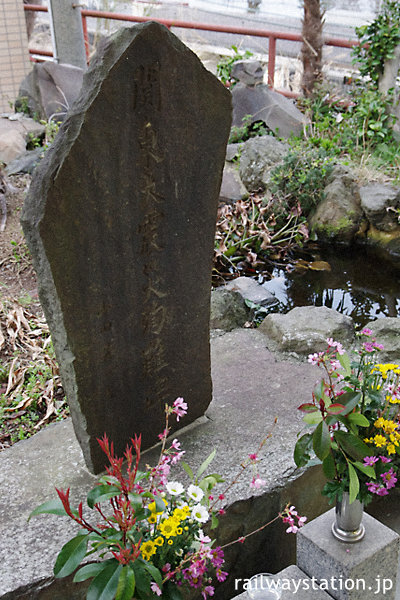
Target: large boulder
(16, 130)
(305, 329)
(250, 72)
(232, 188)
(50, 89)
(258, 156)
(338, 216)
(379, 203)
(228, 310)
(387, 332)
(263, 104)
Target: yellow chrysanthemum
(152, 518)
(159, 541)
(369, 440)
(147, 549)
(379, 441)
(394, 438)
(390, 426)
(379, 423)
(391, 449)
(168, 527)
(170, 542)
(152, 507)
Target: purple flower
(371, 460)
(385, 459)
(155, 589)
(366, 331)
(389, 478)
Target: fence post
(67, 33)
(271, 60)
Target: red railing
(272, 36)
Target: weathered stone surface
(374, 558)
(387, 332)
(250, 72)
(26, 162)
(278, 113)
(50, 89)
(338, 216)
(15, 131)
(306, 328)
(115, 209)
(232, 188)
(251, 290)
(233, 151)
(376, 201)
(228, 310)
(258, 155)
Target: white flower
(199, 513)
(174, 488)
(195, 493)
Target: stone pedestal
(364, 570)
(67, 32)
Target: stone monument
(120, 221)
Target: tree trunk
(311, 50)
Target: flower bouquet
(354, 418)
(148, 529)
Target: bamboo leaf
(187, 469)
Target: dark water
(361, 283)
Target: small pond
(359, 281)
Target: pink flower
(389, 478)
(256, 483)
(179, 408)
(166, 568)
(370, 460)
(253, 457)
(177, 457)
(292, 529)
(385, 459)
(208, 591)
(366, 331)
(314, 358)
(155, 589)
(176, 445)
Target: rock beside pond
(387, 332)
(249, 289)
(304, 329)
(228, 310)
(258, 156)
(338, 216)
(379, 203)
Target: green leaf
(312, 418)
(104, 585)
(321, 440)
(366, 469)
(308, 408)
(71, 555)
(126, 584)
(344, 360)
(52, 507)
(154, 572)
(352, 445)
(328, 466)
(350, 401)
(354, 483)
(358, 419)
(335, 409)
(187, 469)
(100, 493)
(90, 570)
(206, 463)
(173, 592)
(302, 449)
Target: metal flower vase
(348, 526)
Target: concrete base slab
(251, 388)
